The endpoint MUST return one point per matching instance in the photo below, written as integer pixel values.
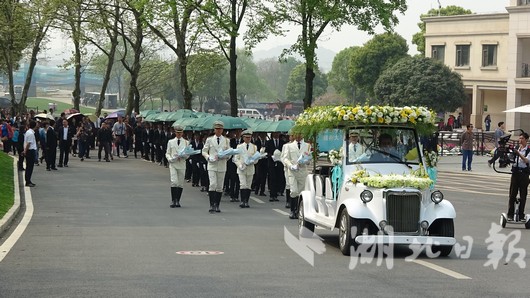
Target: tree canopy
(379, 53)
(421, 81)
(452, 10)
(296, 85)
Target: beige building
(492, 53)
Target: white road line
(257, 200)
(441, 269)
(471, 191)
(21, 227)
(281, 212)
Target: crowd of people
(36, 142)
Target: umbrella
(280, 126)
(262, 126)
(5, 103)
(44, 116)
(521, 109)
(70, 111)
(146, 113)
(115, 115)
(92, 117)
(162, 117)
(229, 122)
(75, 115)
(187, 123)
(151, 118)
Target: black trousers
(261, 176)
(276, 178)
(51, 157)
(518, 184)
(64, 152)
(30, 163)
(106, 147)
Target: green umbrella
(280, 126)
(262, 126)
(253, 122)
(229, 122)
(179, 114)
(146, 113)
(189, 123)
(151, 118)
(162, 117)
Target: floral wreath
(315, 119)
(416, 179)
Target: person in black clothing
(231, 169)
(519, 180)
(261, 167)
(157, 146)
(147, 132)
(196, 144)
(20, 147)
(51, 147)
(104, 141)
(65, 134)
(276, 172)
(138, 141)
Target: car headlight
(366, 196)
(437, 197)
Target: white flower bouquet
(431, 159)
(335, 157)
(186, 152)
(254, 158)
(304, 159)
(228, 152)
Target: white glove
(212, 158)
(294, 168)
(242, 167)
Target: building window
(489, 55)
(462, 55)
(438, 53)
(524, 2)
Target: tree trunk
(32, 63)
(233, 64)
(309, 76)
(77, 74)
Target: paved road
(106, 230)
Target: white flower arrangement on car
(391, 180)
(431, 159)
(335, 157)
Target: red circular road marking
(199, 253)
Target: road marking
(257, 200)
(441, 269)
(199, 253)
(21, 227)
(281, 212)
(470, 191)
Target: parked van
(250, 113)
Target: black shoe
(55, 169)
(99, 159)
(510, 218)
(271, 200)
(233, 200)
(30, 184)
(522, 218)
(66, 166)
(177, 205)
(48, 169)
(293, 215)
(262, 194)
(60, 166)
(489, 163)
(107, 160)
(87, 157)
(82, 159)
(288, 205)
(173, 205)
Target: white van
(250, 113)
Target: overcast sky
(348, 36)
(408, 24)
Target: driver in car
(386, 151)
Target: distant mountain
(325, 56)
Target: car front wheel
(346, 237)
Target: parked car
(383, 194)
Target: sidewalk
(453, 163)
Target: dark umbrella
(70, 111)
(115, 115)
(75, 115)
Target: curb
(14, 210)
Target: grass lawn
(42, 104)
(6, 183)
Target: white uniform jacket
(239, 159)
(211, 149)
(173, 149)
(290, 155)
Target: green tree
(275, 73)
(369, 61)
(314, 16)
(16, 34)
(419, 38)
(338, 77)
(421, 81)
(296, 84)
(251, 85)
(207, 77)
(177, 21)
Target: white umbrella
(44, 116)
(521, 109)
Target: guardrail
(449, 141)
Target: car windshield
(381, 145)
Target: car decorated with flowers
(379, 187)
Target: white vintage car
(379, 194)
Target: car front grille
(403, 211)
